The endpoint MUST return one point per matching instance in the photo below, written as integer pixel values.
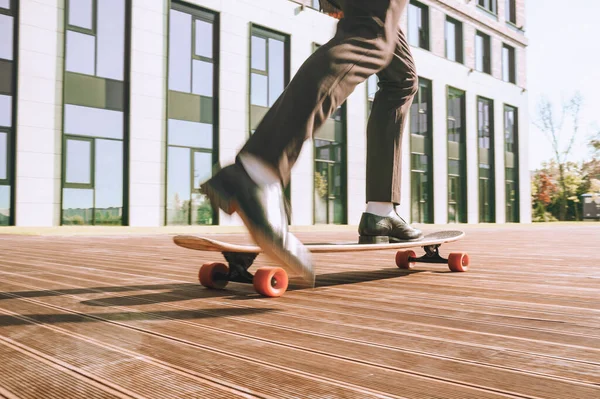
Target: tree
(555, 127)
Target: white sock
(259, 171)
(381, 208)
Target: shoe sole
(383, 240)
(218, 199)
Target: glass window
(180, 53)
(178, 186)
(511, 11)
(204, 39)
(79, 162)
(190, 134)
(276, 70)
(489, 5)
(6, 33)
(81, 53)
(5, 110)
(202, 83)
(5, 4)
(3, 155)
(81, 13)
(78, 206)
(108, 181)
(202, 167)
(258, 92)
(454, 40)
(97, 122)
(259, 53)
(418, 25)
(508, 64)
(482, 53)
(111, 39)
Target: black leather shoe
(264, 213)
(374, 229)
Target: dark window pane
(78, 206)
(81, 13)
(111, 39)
(96, 122)
(179, 185)
(180, 51)
(258, 87)
(4, 205)
(202, 83)
(259, 53)
(276, 69)
(190, 134)
(202, 168)
(6, 35)
(109, 181)
(5, 111)
(204, 39)
(3, 155)
(81, 53)
(79, 162)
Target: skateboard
(273, 281)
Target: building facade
(112, 112)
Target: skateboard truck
(432, 255)
(239, 263)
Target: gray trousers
(368, 41)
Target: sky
(563, 57)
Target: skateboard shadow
(346, 278)
(125, 317)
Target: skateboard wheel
(214, 275)
(458, 261)
(402, 259)
(270, 281)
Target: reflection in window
(483, 53)
(485, 135)
(94, 115)
(508, 64)
(454, 40)
(421, 151)
(457, 165)
(6, 35)
(79, 162)
(511, 161)
(418, 25)
(268, 73)
(191, 145)
(81, 13)
(5, 110)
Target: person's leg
(398, 84)
(363, 45)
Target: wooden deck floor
(100, 317)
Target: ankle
(258, 170)
(381, 208)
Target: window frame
(487, 46)
(516, 151)
(464, 169)
(512, 63)
(510, 12)
(492, 161)
(493, 7)
(92, 141)
(212, 17)
(8, 165)
(458, 38)
(93, 31)
(425, 20)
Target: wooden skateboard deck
(273, 281)
(208, 244)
